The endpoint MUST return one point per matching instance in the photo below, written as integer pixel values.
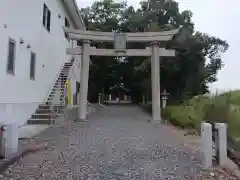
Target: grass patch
(218, 108)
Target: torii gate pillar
(82, 111)
(155, 76)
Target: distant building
(118, 94)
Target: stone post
(11, 132)
(222, 142)
(155, 76)
(82, 114)
(206, 144)
(143, 99)
(11, 138)
(99, 98)
(125, 97)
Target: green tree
(197, 61)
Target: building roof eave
(118, 86)
(73, 11)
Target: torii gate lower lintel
(119, 40)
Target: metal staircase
(54, 104)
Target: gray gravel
(116, 143)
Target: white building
(33, 53)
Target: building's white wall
(75, 74)
(24, 20)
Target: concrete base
(156, 121)
(29, 131)
(162, 121)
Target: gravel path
(116, 143)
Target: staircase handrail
(73, 65)
(54, 81)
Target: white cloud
(215, 17)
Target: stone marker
(11, 139)
(206, 144)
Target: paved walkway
(116, 143)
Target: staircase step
(41, 121)
(57, 89)
(51, 96)
(47, 111)
(41, 111)
(44, 116)
(55, 92)
(51, 103)
(43, 106)
(54, 106)
(61, 80)
(58, 85)
(50, 106)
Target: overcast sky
(218, 18)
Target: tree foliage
(198, 58)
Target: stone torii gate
(120, 39)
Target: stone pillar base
(81, 120)
(162, 121)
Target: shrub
(218, 108)
(217, 111)
(183, 116)
(234, 125)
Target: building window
(67, 24)
(32, 66)
(11, 56)
(46, 17)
